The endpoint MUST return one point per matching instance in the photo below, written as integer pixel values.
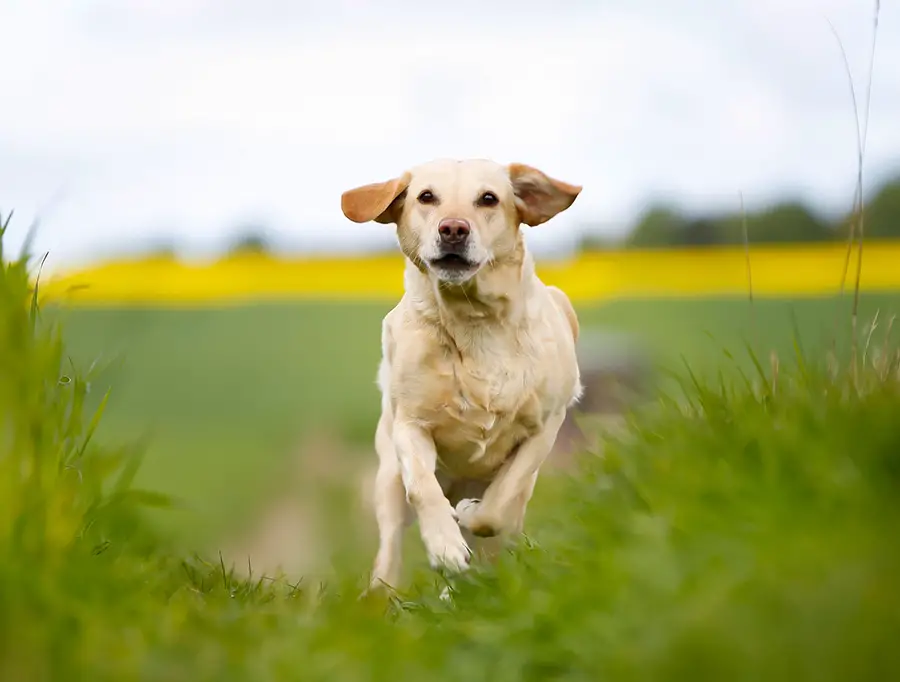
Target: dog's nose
(454, 231)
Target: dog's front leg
(441, 534)
(502, 509)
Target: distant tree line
(664, 226)
(251, 237)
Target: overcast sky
(133, 121)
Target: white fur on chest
(482, 402)
(479, 386)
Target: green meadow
(742, 526)
(223, 395)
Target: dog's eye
(427, 197)
(488, 199)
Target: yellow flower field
(776, 271)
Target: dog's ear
(377, 201)
(539, 197)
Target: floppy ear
(539, 197)
(375, 201)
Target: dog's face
(455, 217)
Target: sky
(129, 123)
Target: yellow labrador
(478, 358)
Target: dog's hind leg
(391, 511)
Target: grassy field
(225, 395)
(741, 533)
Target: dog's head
(454, 217)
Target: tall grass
(857, 217)
(743, 531)
(67, 508)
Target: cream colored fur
(478, 364)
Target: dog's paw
(445, 545)
(377, 588)
(466, 512)
(470, 516)
(376, 592)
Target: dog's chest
(481, 404)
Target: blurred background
(182, 162)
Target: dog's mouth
(452, 262)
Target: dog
(478, 363)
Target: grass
(742, 531)
(224, 395)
